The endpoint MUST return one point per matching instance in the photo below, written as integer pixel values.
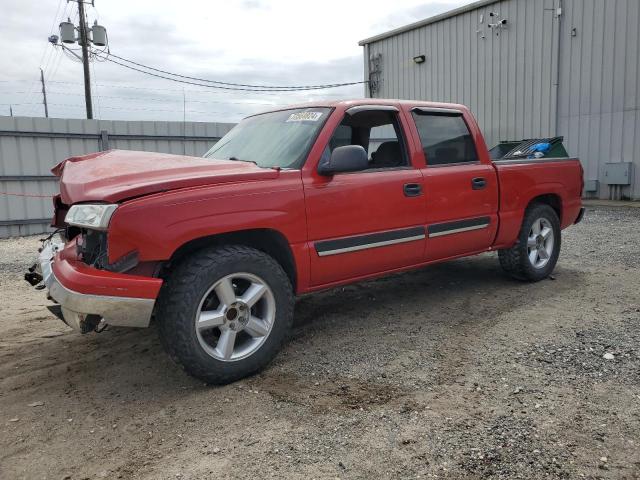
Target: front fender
(157, 225)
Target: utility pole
(44, 94)
(84, 43)
(184, 122)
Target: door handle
(478, 183)
(412, 189)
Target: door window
(378, 132)
(445, 138)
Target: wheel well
(551, 199)
(269, 241)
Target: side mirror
(350, 158)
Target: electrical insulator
(67, 32)
(98, 35)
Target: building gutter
(428, 21)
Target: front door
(370, 221)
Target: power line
(55, 17)
(56, 65)
(114, 85)
(69, 105)
(32, 92)
(220, 87)
(152, 99)
(59, 55)
(266, 87)
(95, 87)
(171, 99)
(47, 50)
(14, 103)
(46, 53)
(224, 87)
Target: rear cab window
(445, 138)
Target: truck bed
(524, 179)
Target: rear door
(371, 221)
(461, 186)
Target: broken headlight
(93, 216)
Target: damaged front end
(89, 292)
(73, 263)
(40, 275)
(89, 298)
(40, 271)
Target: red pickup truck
(291, 201)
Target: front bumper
(87, 295)
(77, 308)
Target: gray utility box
(591, 185)
(617, 173)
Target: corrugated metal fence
(29, 147)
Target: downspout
(367, 76)
(555, 128)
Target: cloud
(280, 42)
(254, 4)
(403, 17)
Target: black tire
(186, 287)
(515, 260)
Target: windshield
(275, 139)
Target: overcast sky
(277, 42)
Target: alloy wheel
(540, 243)
(235, 317)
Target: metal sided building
(530, 69)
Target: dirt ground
(454, 371)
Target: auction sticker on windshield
(304, 117)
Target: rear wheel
(536, 252)
(225, 312)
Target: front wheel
(536, 251)
(225, 312)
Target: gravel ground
(454, 371)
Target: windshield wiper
(255, 163)
(241, 160)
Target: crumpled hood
(119, 174)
